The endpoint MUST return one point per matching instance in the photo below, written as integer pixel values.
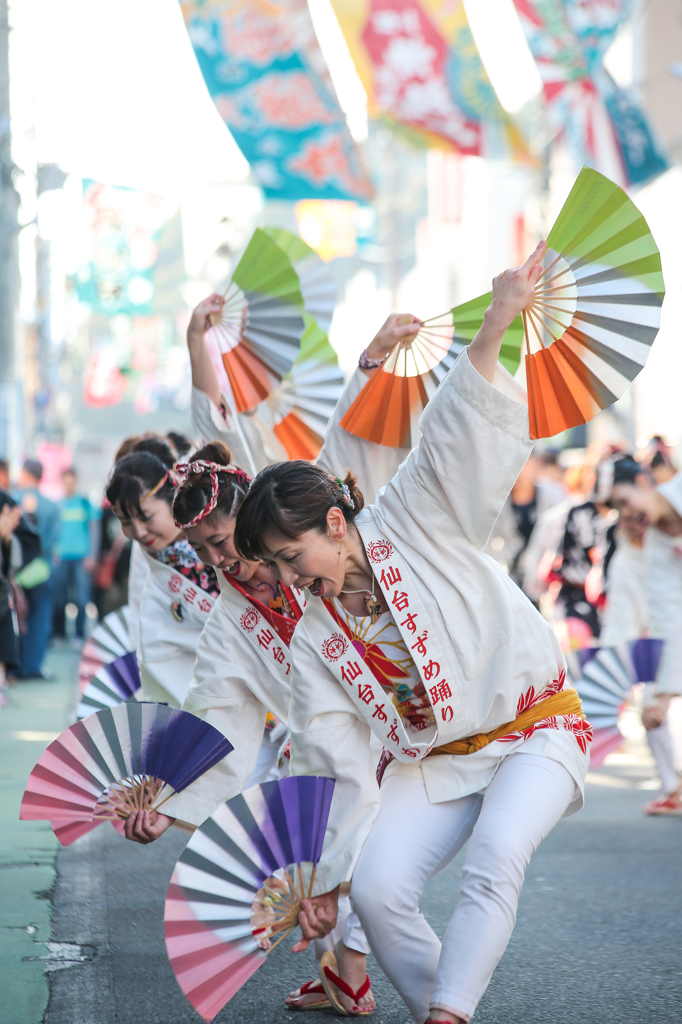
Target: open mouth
(316, 588)
(234, 569)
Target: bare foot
(310, 994)
(352, 968)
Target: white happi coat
(663, 579)
(424, 537)
(166, 647)
(236, 677)
(626, 617)
(372, 464)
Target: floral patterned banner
(602, 123)
(420, 67)
(264, 69)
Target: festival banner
(601, 123)
(421, 69)
(265, 72)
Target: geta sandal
(309, 988)
(329, 976)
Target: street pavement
(598, 936)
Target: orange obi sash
(566, 702)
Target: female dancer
(243, 665)
(179, 591)
(413, 633)
(659, 509)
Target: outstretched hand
(200, 320)
(513, 290)
(146, 826)
(398, 327)
(317, 918)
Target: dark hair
(626, 470)
(180, 442)
(69, 471)
(288, 499)
(34, 468)
(195, 493)
(139, 472)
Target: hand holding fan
(116, 762)
(237, 888)
(587, 333)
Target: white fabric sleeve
(210, 424)
(220, 695)
(328, 738)
(474, 444)
(372, 464)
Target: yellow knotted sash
(566, 702)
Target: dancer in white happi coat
(659, 509)
(243, 664)
(178, 591)
(414, 634)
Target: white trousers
(662, 747)
(412, 840)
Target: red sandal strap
(311, 987)
(345, 988)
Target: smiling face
(318, 561)
(154, 529)
(213, 541)
(637, 503)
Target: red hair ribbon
(183, 471)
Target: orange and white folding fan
(586, 334)
(388, 408)
(260, 325)
(596, 309)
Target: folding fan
(236, 890)
(116, 762)
(608, 674)
(316, 282)
(587, 332)
(299, 409)
(260, 325)
(109, 639)
(114, 684)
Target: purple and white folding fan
(116, 762)
(114, 684)
(239, 884)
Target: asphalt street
(598, 936)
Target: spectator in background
(76, 548)
(44, 516)
(19, 545)
(4, 476)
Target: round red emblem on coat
(379, 550)
(250, 620)
(334, 647)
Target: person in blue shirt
(75, 554)
(43, 514)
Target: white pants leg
(348, 928)
(266, 764)
(417, 839)
(662, 747)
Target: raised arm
(204, 376)
(372, 464)
(475, 437)
(512, 292)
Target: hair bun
(214, 451)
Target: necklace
(371, 604)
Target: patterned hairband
(345, 491)
(184, 470)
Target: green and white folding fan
(299, 409)
(316, 282)
(259, 328)
(587, 333)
